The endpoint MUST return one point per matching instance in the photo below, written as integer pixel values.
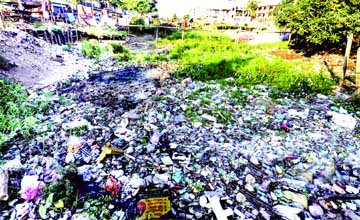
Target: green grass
(18, 111)
(91, 49)
(38, 24)
(94, 49)
(15, 116)
(294, 78)
(208, 56)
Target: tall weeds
(207, 56)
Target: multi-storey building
(265, 11)
(235, 11)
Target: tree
(174, 18)
(141, 6)
(320, 22)
(252, 5)
(117, 3)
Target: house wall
(235, 12)
(265, 13)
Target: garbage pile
(136, 148)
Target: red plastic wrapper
(112, 185)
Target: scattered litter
(192, 151)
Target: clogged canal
(197, 150)
(121, 75)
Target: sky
(167, 8)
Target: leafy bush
(15, 116)
(120, 53)
(66, 188)
(319, 23)
(91, 49)
(137, 20)
(97, 208)
(17, 110)
(150, 57)
(156, 21)
(111, 33)
(118, 48)
(248, 28)
(122, 57)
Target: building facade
(265, 11)
(235, 12)
(230, 11)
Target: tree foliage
(252, 5)
(141, 6)
(320, 22)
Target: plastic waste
(216, 207)
(153, 204)
(288, 212)
(4, 179)
(108, 150)
(344, 120)
(112, 185)
(297, 198)
(74, 144)
(21, 211)
(31, 188)
(186, 82)
(316, 210)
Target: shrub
(137, 20)
(120, 53)
(111, 33)
(91, 49)
(156, 21)
(117, 48)
(17, 110)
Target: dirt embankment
(36, 63)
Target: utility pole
(347, 56)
